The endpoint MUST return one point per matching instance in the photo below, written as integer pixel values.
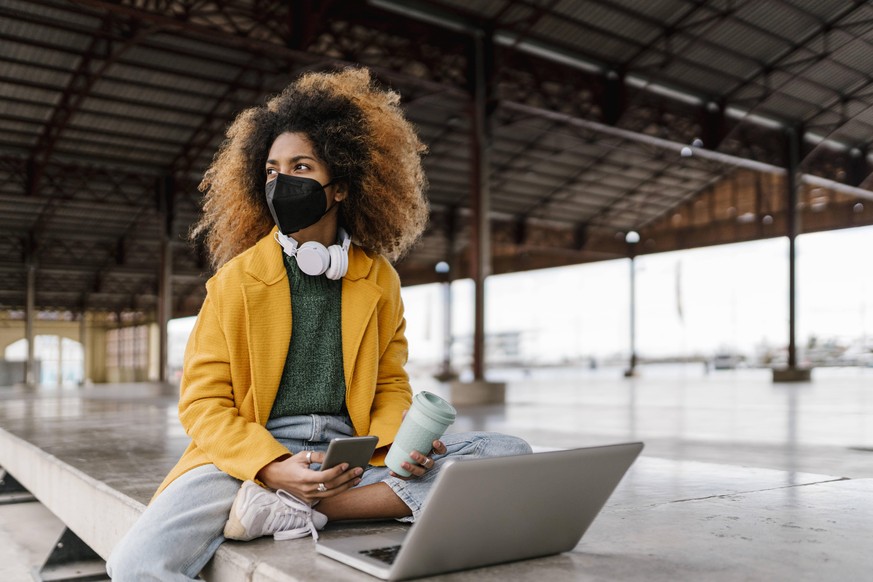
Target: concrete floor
(740, 477)
(736, 417)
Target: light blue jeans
(182, 528)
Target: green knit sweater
(312, 380)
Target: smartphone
(356, 451)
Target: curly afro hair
(357, 129)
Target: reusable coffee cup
(425, 422)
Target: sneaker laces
(297, 510)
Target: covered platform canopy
(555, 127)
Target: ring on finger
(321, 488)
(427, 462)
(309, 457)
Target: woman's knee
(492, 444)
(504, 445)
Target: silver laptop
(493, 510)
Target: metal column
(632, 365)
(793, 373)
(86, 349)
(480, 243)
(165, 194)
(791, 181)
(30, 375)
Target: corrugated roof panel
(140, 114)
(158, 98)
(712, 58)
(134, 156)
(859, 133)
(32, 113)
(121, 141)
(530, 193)
(861, 18)
(488, 8)
(757, 87)
(866, 117)
(140, 72)
(816, 8)
(24, 53)
(60, 13)
(816, 96)
(35, 35)
(515, 14)
(830, 124)
(782, 20)
(854, 132)
(855, 55)
(142, 127)
(35, 75)
(744, 43)
(703, 81)
(554, 30)
(171, 44)
(591, 192)
(17, 136)
(13, 222)
(607, 19)
(785, 107)
(181, 65)
(837, 78)
(665, 11)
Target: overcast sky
(732, 297)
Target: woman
(301, 336)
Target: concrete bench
(95, 457)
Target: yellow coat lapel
(360, 298)
(268, 323)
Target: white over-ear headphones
(314, 258)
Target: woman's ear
(341, 191)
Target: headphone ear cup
(339, 263)
(312, 258)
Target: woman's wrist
(264, 474)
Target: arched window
(60, 360)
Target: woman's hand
(293, 474)
(423, 463)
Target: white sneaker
(259, 512)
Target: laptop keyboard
(387, 554)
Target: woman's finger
(308, 457)
(326, 489)
(332, 479)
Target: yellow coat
(237, 349)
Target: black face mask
(296, 202)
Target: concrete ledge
(792, 374)
(477, 392)
(100, 515)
